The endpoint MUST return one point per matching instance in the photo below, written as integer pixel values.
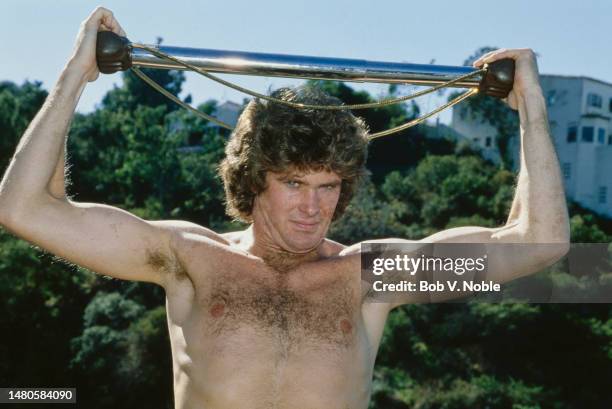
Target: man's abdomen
(247, 371)
(273, 342)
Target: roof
(577, 77)
(230, 105)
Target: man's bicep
(509, 251)
(506, 252)
(472, 234)
(466, 249)
(101, 238)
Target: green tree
(127, 346)
(18, 105)
(443, 189)
(584, 229)
(367, 217)
(41, 302)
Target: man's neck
(275, 256)
(283, 261)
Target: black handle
(113, 52)
(499, 78)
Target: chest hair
(322, 315)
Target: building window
(587, 133)
(610, 104)
(476, 141)
(572, 132)
(610, 139)
(488, 141)
(601, 135)
(567, 170)
(603, 194)
(594, 100)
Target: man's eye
(293, 183)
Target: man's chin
(303, 245)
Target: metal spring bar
(115, 53)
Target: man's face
(296, 209)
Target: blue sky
(571, 37)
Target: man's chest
(272, 308)
(317, 304)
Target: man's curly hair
(271, 137)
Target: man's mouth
(306, 226)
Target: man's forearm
(39, 154)
(515, 209)
(57, 185)
(540, 193)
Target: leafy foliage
(18, 105)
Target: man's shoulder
(234, 237)
(198, 249)
(182, 230)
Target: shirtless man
(273, 316)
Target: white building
(227, 112)
(579, 113)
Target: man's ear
(264, 182)
(256, 192)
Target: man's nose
(309, 203)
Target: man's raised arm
(539, 211)
(33, 202)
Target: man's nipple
(217, 309)
(345, 326)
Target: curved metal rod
(305, 67)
